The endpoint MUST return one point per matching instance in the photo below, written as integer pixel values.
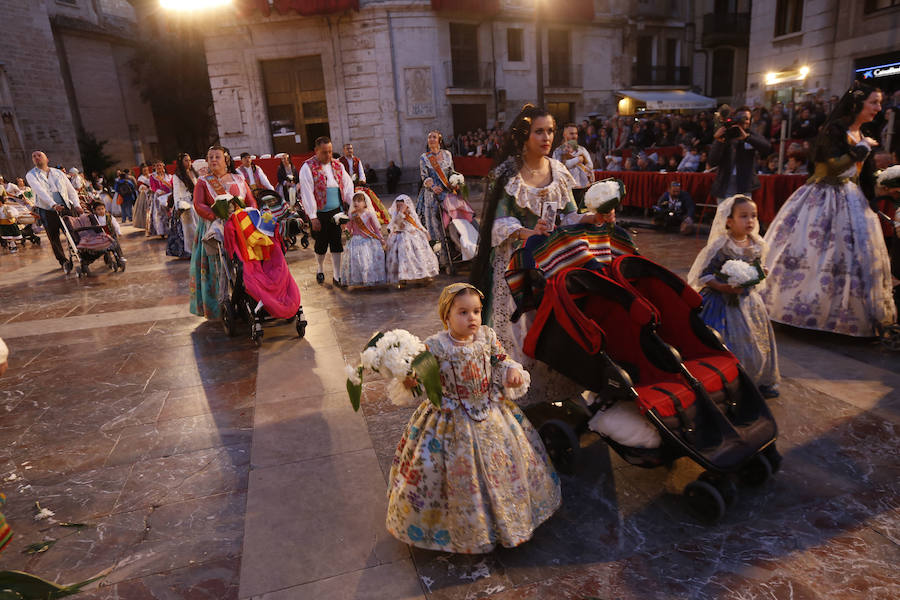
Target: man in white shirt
(54, 197)
(576, 158)
(353, 165)
(254, 176)
(325, 188)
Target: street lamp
(192, 5)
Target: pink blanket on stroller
(269, 281)
(455, 208)
(88, 239)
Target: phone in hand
(548, 215)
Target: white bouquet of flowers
(604, 196)
(458, 182)
(402, 357)
(738, 273)
(890, 177)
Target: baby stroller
(86, 235)
(291, 219)
(625, 347)
(459, 233)
(25, 220)
(256, 284)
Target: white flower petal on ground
(353, 374)
(44, 513)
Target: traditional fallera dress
(520, 206)
(742, 321)
(436, 167)
(409, 257)
(205, 265)
(158, 217)
(828, 263)
(473, 473)
(184, 218)
(142, 204)
(363, 260)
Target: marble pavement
(204, 467)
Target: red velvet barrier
(643, 189)
(474, 166)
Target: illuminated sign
(888, 70)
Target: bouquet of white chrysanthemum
(738, 273)
(411, 369)
(458, 182)
(604, 196)
(890, 177)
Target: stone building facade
(65, 65)
(721, 44)
(837, 42)
(383, 75)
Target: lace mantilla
(531, 198)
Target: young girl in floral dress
(473, 473)
(409, 257)
(738, 313)
(362, 263)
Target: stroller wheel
(890, 337)
(773, 456)
(304, 241)
(561, 443)
(756, 472)
(256, 337)
(704, 501)
(723, 484)
(228, 319)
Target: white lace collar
(531, 198)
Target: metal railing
(561, 75)
(469, 75)
(660, 75)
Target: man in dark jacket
(735, 152)
(393, 177)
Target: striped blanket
(542, 257)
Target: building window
(468, 117)
(464, 55)
(515, 45)
(558, 53)
(295, 99)
(788, 17)
(563, 112)
(876, 5)
(722, 72)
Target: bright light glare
(804, 71)
(771, 78)
(188, 5)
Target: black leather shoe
(337, 282)
(320, 277)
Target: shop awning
(670, 99)
(307, 8)
(479, 7)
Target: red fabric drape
(480, 7)
(473, 166)
(643, 189)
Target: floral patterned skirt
(460, 485)
(409, 257)
(362, 262)
(140, 210)
(204, 278)
(828, 263)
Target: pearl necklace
(533, 171)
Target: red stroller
(256, 290)
(616, 342)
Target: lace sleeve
(503, 228)
(500, 366)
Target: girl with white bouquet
(729, 276)
(470, 471)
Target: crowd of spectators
(634, 143)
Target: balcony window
(515, 45)
(876, 5)
(788, 17)
(559, 57)
(464, 54)
(722, 72)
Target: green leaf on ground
(39, 547)
(16, 584)
(73, 525)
